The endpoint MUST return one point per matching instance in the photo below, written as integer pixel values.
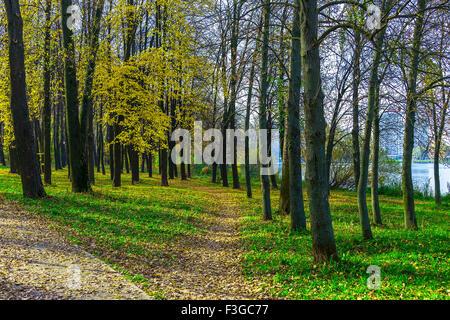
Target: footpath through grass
(139, 226)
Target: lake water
(423, 176)
(423, 173)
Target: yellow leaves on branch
(142, 89)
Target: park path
(208, 266)
(37, 263)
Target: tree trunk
(233, 87)
(248, 181)
(163, 161)
(24, 138)
(116, 165)
(324, 246)
(408, 144)
(265, 183)
(355, 109)
(365, 152)
(134, 164)
(285, 201)
(144, 160)
(375, 155)
(46, 110)
(13, 166)
(2, 152)
(214, 173)
(56, 128)
(297, 209)
(150, 164)
(77, 152)
(110, 137)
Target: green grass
(135, 226)
(414, 264)
(131, 227)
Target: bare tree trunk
(150, 164)
(297, 209)
(324, 246)
(265, 183)
(285, 202)
(134, 164)
(375, 156)
(46, 110)
(2, 152)
(77, 152)
(13, 166)
(355, 110)
(24, 138)
(408, 144)
(233, 87)
(365, 152)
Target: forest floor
(197, 240)
(36, 263)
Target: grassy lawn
(135, 227)
(414, 264)
(132, 227)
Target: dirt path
(209, 266)
(37, 263)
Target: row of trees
(134, 71)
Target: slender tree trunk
(248, 182)
(438, 132)
(46, 110)
(63, 142)
(2, 152)
(110, 137)
(265, 183)
(324, 246)
(24, 138)
(125, 159)
(297, 209)
(272, 177)
(183, 171)
(408, 144)
(375, 155)
(355, 109)
(163, 161)
(233, 87)
(144, 160)
(285, 201)
(134, 164)
(150, 164)
(56, 145)
(365, 152)
(77, 152)
(91, 148)
(214, 173)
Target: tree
(265, 183)
(365, 151)
(297, 210)
(77, 151)
(324, 246)
(408, 143)
(24, 137)
(47, 99)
